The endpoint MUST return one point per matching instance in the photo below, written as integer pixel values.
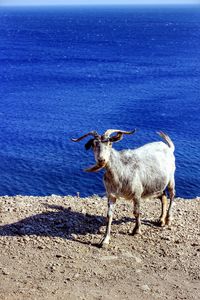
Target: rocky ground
(48, 250)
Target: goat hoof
(161, 223)
(136, 231)
(103, 245)
(168, 221)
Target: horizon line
(99, 4)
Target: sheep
(144, 172)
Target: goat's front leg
(136, 212)
(111, 208)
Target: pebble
(67, 279)
(138, 259)
(77, 275)
(83, 211)
(59, 255)
(40, 247)
(5, 272)
(145, 288)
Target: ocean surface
(66, 71)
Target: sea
(65, 71)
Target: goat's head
(101, 145)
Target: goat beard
(95, 168)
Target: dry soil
(49, 250)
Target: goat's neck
(114, 164)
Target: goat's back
(152, 167)
(142, 172)
(155, 155)
(156, 166)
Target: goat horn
(110, 131)
(93, 133)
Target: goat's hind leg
(162, 220)
(171, 189)
(136, 212)
(111, 208)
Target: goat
(144, 172)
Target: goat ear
(89, 144)
(116, 138)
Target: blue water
(66, 71)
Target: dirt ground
(48, 250)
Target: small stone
(145, 287)
(67, 279)
(52, 269)
(77, 275)
(58, 255)
(176, 242)
(5, 272)
(83, 211)
(74, 236)
(138, 259)
(40, 247)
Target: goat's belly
(152, 195)
(154, 191)
(124, 191)
(119, 190)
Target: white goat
(134, 174)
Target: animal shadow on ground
(61, 222)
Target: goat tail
(167, 139)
